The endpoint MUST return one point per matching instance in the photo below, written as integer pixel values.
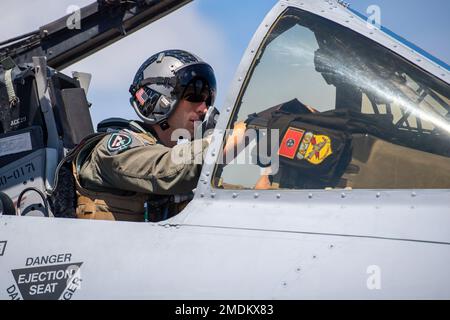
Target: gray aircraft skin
(384, 242)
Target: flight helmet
(165, 79)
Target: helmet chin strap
(164, 101)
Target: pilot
(147, 171)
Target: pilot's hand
(236, 142)
(263, 183)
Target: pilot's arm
(145, 167)
(235, 142)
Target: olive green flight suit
(116, 176)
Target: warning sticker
(15, 144)
(46, 282)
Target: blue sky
(427, 24)
(217, 30)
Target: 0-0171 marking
(17, 173)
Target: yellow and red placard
(307, 146)
(318, 149)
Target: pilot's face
(186, 114)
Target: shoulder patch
(119, 142)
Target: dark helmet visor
(196, 83)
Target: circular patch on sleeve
(119, 142)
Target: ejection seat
(43, 114)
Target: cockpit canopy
(321, 85)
